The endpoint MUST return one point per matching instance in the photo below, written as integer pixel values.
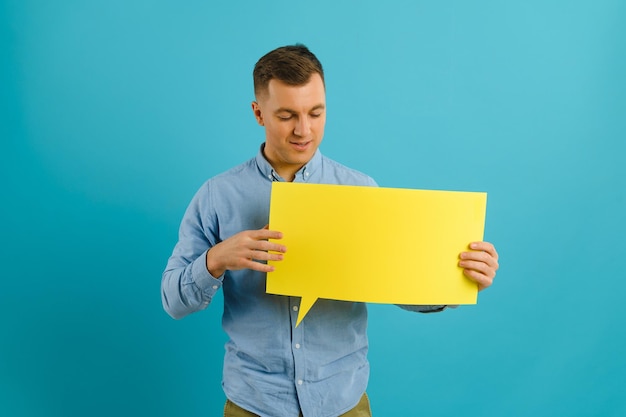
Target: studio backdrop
(113, 113)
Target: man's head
(293, 65)
(291, 106)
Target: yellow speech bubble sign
(373, 244)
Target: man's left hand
(480, 263)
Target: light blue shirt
(271, 367)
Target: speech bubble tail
(305, 305)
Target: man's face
(294, 119)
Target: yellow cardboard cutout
(371, 244)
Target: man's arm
(186, 285)
(424, 308)
(195, 271)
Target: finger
(482, 280)
(266, 256)
(265, 234)
(258, 266)
(485, 247)
(266, 246)
(477, 266)
(480, 257)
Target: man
(271, 367)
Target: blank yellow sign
(371, 244)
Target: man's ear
(257, 113)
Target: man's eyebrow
(288, 110)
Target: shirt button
(300, 382)
(295, 308)
(215, 287)
(297, 345)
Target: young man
(271, 367)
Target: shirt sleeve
(186, 284)
(424, 308)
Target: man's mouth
(300, 146)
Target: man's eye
(285, 117)
(316, 115)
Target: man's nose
(303, 127)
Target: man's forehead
(312, 92)
(314, 86)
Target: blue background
(114, 112)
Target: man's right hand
(243, 250)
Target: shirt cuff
(423, 308)
(203, 278)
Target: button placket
(297, 347)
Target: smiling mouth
(300, 145)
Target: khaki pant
(362, 409)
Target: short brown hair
(292, 64)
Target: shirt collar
(303, 174)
